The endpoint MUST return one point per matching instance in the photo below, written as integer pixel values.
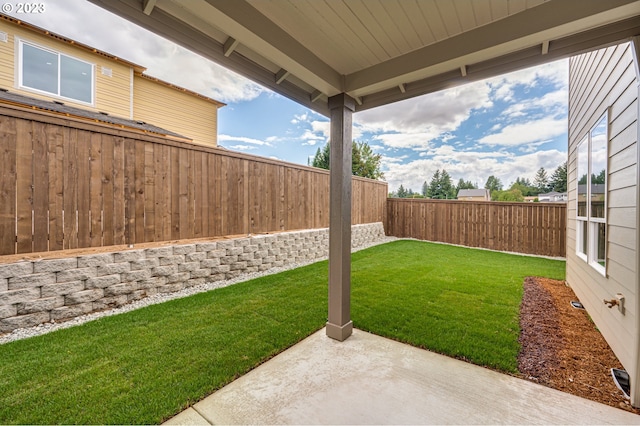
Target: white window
(591, 219)
(54, 73)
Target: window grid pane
(75, 79)
(39, 69)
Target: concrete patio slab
(368, 379)
(187, 417)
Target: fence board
(95, 189)
(55, 147)
(65, 187)
(24, 187)
(40, 191)
(8, 134)
(149, 193)
(118, 191)
(538, 228)
(70, 188)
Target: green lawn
(146, 365)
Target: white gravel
(23, 333)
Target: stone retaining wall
(35, 292)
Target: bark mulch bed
(561, 347)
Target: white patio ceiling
(380, 51)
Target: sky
(508, 126)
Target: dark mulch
(562, 348)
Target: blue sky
(508, 126)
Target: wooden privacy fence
(533, 228)
(67, 183)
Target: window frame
(582, 239)
(591, 231)
(20, 73)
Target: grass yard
(145, 366)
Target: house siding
(186, 114)
(111, 94)
(599, 82)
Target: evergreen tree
(462, 184)
(322, 157)
(448, 191)
(441, 187)
(493, 184)
(434, 185)
(599, 178)
(364, 162)
(559, 178)
(541, 181)
(425, 188)
(402, 193)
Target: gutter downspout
(635, 391)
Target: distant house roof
(553, 196)
(596, 188)
(60, 108)
(474, 193)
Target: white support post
(339, 325)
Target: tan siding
(111, 94)
(178, 111)
(603, 81)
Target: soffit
(381, 51)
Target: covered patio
(372, 380)
(338, 57)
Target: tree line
(365, 163)
(441, 186)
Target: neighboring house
(40, 65)
(602, 212)
(553, 197)
(474, 195)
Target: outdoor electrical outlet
(620, 298)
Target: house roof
(596, 188)
(138, 69)
(63, 39)
(380, 51)
(7, 97)
(473, 193)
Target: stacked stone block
(35, 292)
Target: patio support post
(339, 325)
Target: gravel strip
(24, 333)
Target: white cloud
(473, 166)
(244, 139)
(243, 147)
(528, 132)
(415, 141)
(434, 114)
(555, 73)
